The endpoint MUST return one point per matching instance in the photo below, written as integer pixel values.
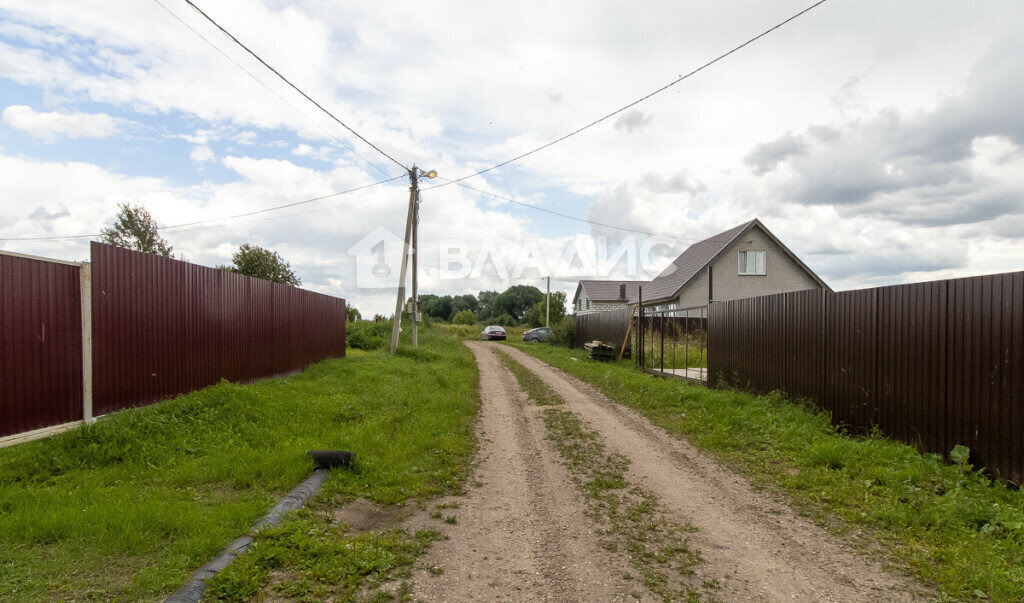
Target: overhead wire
(241, 215)
(635, 102)
(342, 142)
(296, 88)
(568, 216)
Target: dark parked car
(538, 334)
(493, 332)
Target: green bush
(564, 332)
(366, 335)
(505, 320)
(464, 317)
(461, 331)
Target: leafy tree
(353, 314)
(459, 304)
(253, 260)
(535, 316)
(464, 317)
(516, 300)
(485, 304)
(469, 300)
(135, 229)
(436, 307)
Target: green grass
(950, 526)
(314, 561)
(130, 506)
(676, 356)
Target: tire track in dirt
(765, 549)
(523, 534)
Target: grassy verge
(951, 526)
(128, 507)
(676, 356)
(630, 518)
(307, 558)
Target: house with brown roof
(601, 296)
(744, 261)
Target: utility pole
(414, 312)
(547, 315)
(396, 323)
(412, 221)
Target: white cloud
(201, 154)
(48, 126)
(451, 92)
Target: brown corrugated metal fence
(164, 327)
(40, 344)
(160, 328)
(607, 327)
(934, 364)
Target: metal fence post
(85, 291)
(662, 353)
(640, 327)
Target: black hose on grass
(195, 588)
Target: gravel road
(522, 533)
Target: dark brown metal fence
(160, 328)
(934, 364)
(164, 327)
(607, 327)
(40, 344)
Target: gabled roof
(697, 257)
(607, 290)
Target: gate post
(85, 291)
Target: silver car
(493, 332)
(538, 334)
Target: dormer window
(752, 262)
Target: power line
(242, 215)
(571, 217)
(637, 101)
(272, 91)
(296, 88)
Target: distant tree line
(517, 305)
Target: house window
(752, 262)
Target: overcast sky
(881, 141)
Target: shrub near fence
(160, 328)
(934, 364)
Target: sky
(881, 141)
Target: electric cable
(570, 217)
(296, 88)
(637, 101)
(242, 215)
(343, 143)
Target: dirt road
(523, 534)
